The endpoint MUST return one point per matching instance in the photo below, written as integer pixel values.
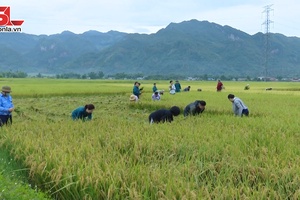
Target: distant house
(191, 79)
(261, 78)
(267, 78)
(295, 80)
(273, 79)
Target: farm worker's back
(84, 113)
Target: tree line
(122, 76)
(10, 74)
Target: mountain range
(186, 48)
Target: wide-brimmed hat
(6, 89)
(132, 97)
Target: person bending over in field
(84, 112)
(187, 89)
(238, 107)
(247, 87)
(155, 96)
(164, 115)
(194, 108)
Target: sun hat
(6, 89)
(132, 97)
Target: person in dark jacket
(164, 115)
(187, 89)
(177, 86)
(136, 90)
(84, 113)
(194, 108)
(154, 88)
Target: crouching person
(84, 113)
(194, 108)
(155, 96)
(164, 115)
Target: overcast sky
(149, 16)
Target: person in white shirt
(172, 87)
(155, 96)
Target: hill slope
(187, 48)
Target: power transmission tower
(266, 23)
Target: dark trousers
(5, 119)
(245, 112)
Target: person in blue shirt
(177, 86)
(154, 89)
(84, 112)
(6, 106)
(136, 90)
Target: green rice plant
(12, 181)
(119, 155)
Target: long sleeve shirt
(162, 115)
(5, 104)
(154, 89)
(136, 91)
(155, 97)
(238, 106)
(193, 109)
(80, 113)
(172, 89)
(177, 87)
(219, 86)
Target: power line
(266, 23)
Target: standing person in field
(136, 90)
(84, 112)
(219, 86)
(164, 115)
(238, 106)
(154, 88)
(6, 106)
(194, 108)
(177, 86)
(172, 87)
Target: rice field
(118, 155)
